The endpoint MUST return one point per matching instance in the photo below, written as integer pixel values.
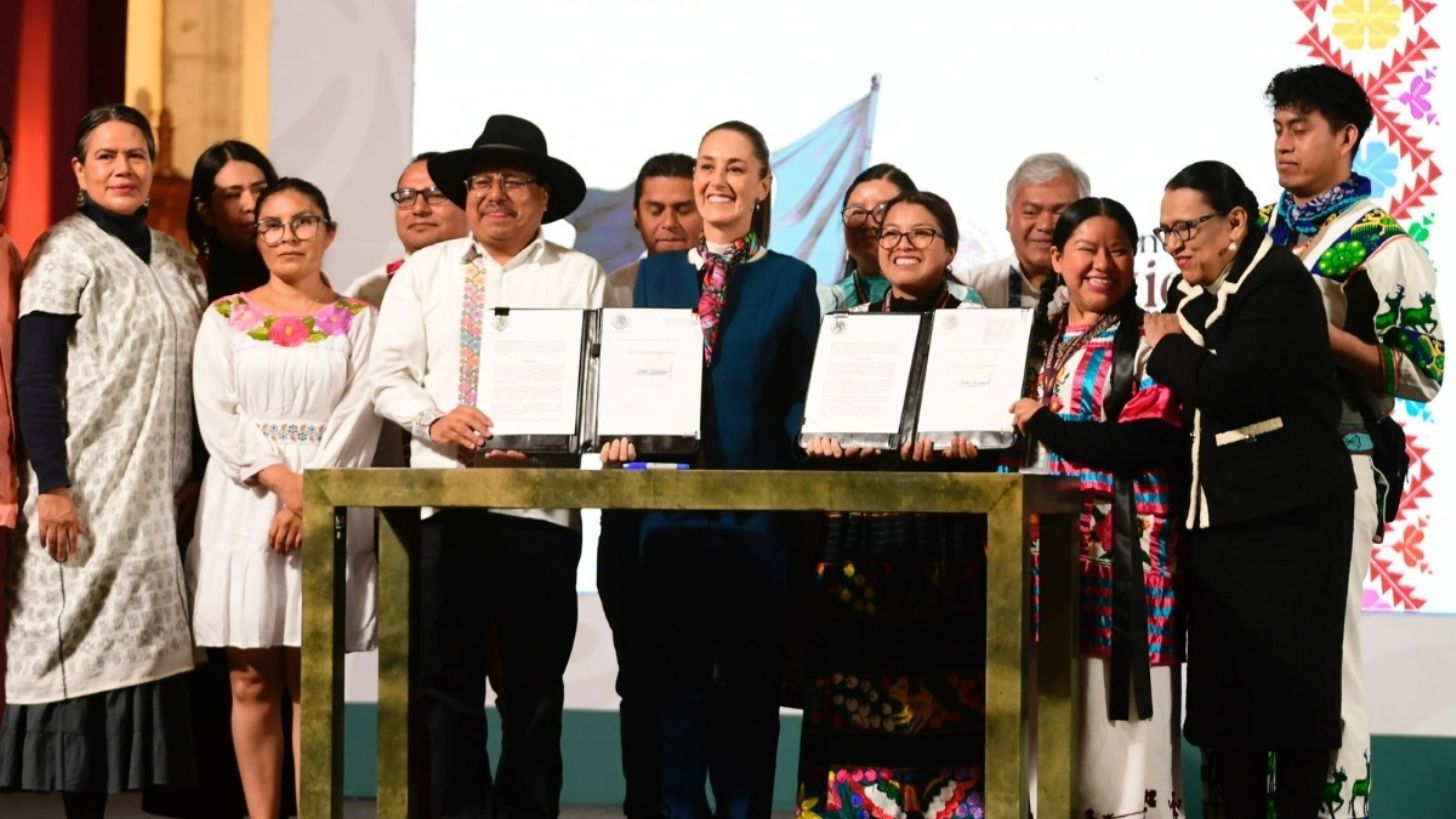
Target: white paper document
(530, 371)
(973, 374)
(862, 366)
(651, 374)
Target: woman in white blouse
(279, 388)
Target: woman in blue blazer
(719, 579)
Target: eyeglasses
(512, 184)
(855, 216)
(304, 227)
(919, 238)
(406, 197)
(1183, 229)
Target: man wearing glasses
(11, 268)
(423, 216)
(506, 577)
(1040, 189)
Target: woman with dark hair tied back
(1245, 346)
(99, 638)
(719, 580)
(894, 696)
(1103, 419)
(864, 207)
(863, 211)
(226, 182)
(279, 389)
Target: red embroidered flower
(288, 331)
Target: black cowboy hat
(514, 140)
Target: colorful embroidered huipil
(1079, 390)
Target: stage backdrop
(956, 95)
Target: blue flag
(604, 229)
(810, 178)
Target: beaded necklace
(1060, 353)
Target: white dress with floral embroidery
(276, 389)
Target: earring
(146, 203)
(758, 203)
(80, 199)
(1233, 247)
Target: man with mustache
(1040, 189)
(1379, 294)
(423, 216)
(664, 213)
(487, 577)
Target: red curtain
(58, 58)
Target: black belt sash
(1129, 596)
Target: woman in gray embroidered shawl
(99, 637)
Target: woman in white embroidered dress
(279, 389)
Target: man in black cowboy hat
(510, 570)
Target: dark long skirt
(1266, 617)
(123, 740)
(894, 714)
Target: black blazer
(1254, 371)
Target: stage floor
(128, 806)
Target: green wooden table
(1008, 500)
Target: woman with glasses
(227, 180)
(721, 578)
(278, 389)
(894, 713)
(864, 207)
(1109, 425)
(1245, 347)
(99, 640)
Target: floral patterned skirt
(894, 715)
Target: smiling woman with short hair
(894, 653)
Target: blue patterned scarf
(1306, 220)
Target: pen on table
(639, 466)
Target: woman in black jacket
(1245, 346)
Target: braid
(1043, 330)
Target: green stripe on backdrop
(1413, 775)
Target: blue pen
(641, 466)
